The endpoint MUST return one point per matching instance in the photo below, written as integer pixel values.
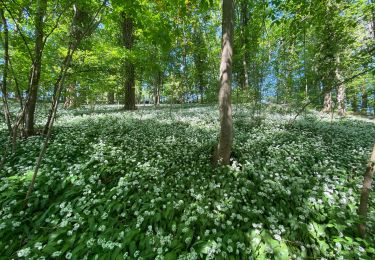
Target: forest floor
(140, 184)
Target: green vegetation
(187, 129)
(142, 184)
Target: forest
(187, 129)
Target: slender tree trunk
(35, 72)
(111, 97)
(5, 72)
(58, 85)
(160, 84)
(222, 155)
(70, 96)
(156, 96)
(202, 94)
(363, 204)
(305, 68)
(78, 34)
(364, 102)
(244, 23)
(200, 59)
(341, 96)
(17, 85)
(184, 60)
(129, 72)
(327, 105)
(355, 103)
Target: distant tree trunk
(129, 69)
(156, 96)
(17, 85)
(244, 23)
(341, 109)
(305, 69)
(200, 61)
(341, 96)
(364, 102)
(157, 88)
(327, 105)
(111, 97)
(70, 96)
(35, 72)
(201, 90)
(222, 155)
(184, 61)
(363, 204)
(5, 72)
(355, 103)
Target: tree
(35, 72)
(82, 25)
(222, 155)
(4, 90)
(127, 27)
(365, 193)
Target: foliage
(141, 184)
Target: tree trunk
(35, 72)
(244, 23)
(156, 96)
(363, 204)
(70, 96)
(222, 155)
(17, 85)
(5, 72)
(157, 88)
(355, 103)
(129, 83)
(78, 36)
(341, 100)
(341, 96)
(111, 97)
(364, 102)
(202, 94)
(327, 105)
(200, 61)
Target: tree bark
(5, 72)
(70, 96)
(35, 72)
(226, 123)
(327, 105)
(341, 96)
(364, 102)
(244, 23)
(363, 204)
(355, 103)
(111, 97)
(158, 86)
(129, 70)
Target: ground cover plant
(141, 185)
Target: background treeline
(319, 53)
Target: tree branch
(19, 31)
